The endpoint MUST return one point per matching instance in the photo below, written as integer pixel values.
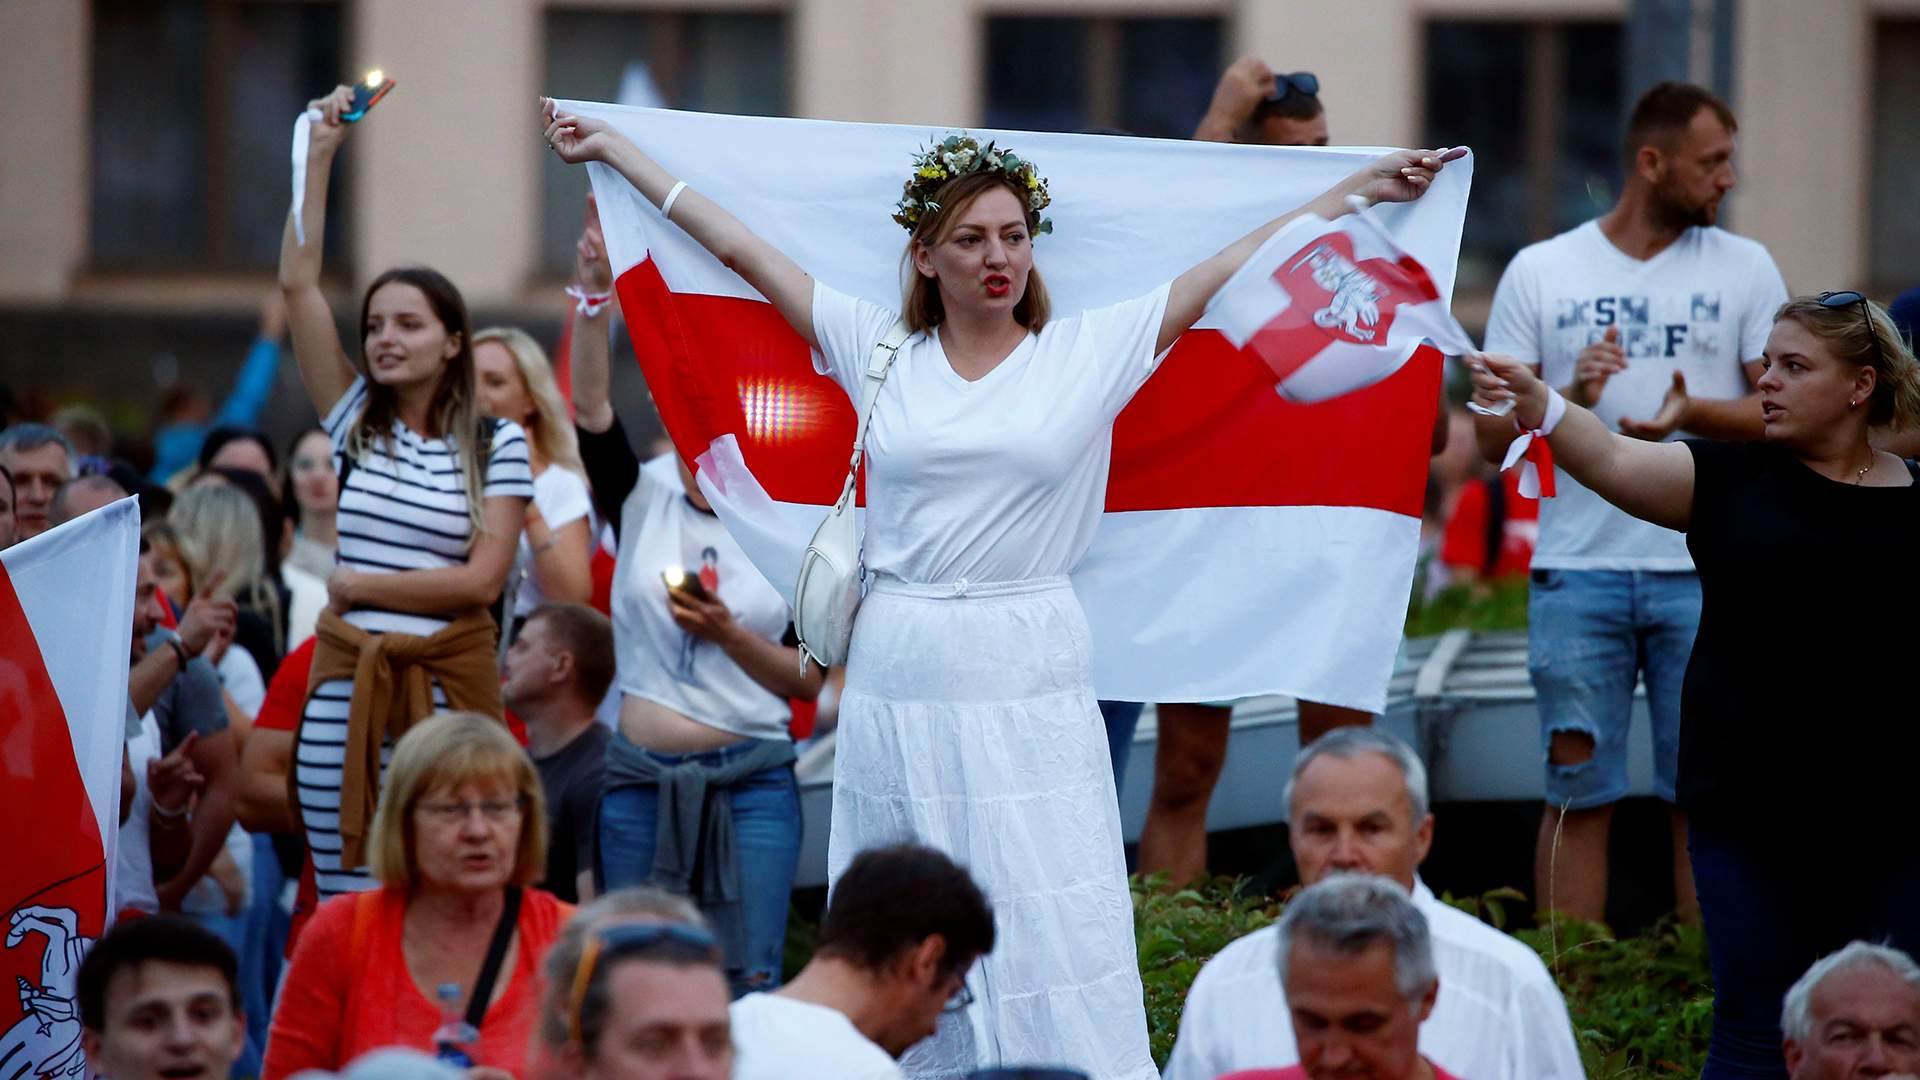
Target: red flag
(66, 599)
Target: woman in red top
(459, 833)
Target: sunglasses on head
(1304, 83)
(609, 943)
(1847, 298)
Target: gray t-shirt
(191, 702)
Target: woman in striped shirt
(432, 499)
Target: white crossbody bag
(832, 575)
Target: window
(1145, 76)
(193, 106)
(728, 62)
(1542, 106)
(1894, 251)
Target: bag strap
(878, 364)
(496, 955)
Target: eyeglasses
(1847, 298)
(625, 939)
(1304, 83)
(495, 811)
(961, 998)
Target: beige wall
(1803, 152)
(449, 174)
(43, 148)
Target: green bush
(1641, 1007)
(1499, 606)
(1179, 931)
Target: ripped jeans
(1591, 635)
(766, 823)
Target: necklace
(1861, 473)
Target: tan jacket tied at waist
(393, 677)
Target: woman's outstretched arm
(765, 267)
(324, 368)
(1653, 481)
(1401, 176)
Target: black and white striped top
(404, 507)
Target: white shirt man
(1359, 805)
(904, 927)
(1655, 318)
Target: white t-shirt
(657, 660)
(777, 1038)
(1704, 306)
(1001, 479)
(561, 496)
(1498, 1017)
(133, 888)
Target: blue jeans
(766, 823)
(1121, 718)
(1773, 904)
(1591, 634)
(264, 932)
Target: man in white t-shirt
(1358, 805)
(1655, 319)
(902, 929)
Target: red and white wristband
(1531, 452)
(587, 303)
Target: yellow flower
(933, 172)
(1033, 182)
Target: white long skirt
(969, 724)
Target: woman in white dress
(968, 721)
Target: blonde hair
(1873, 341)
(920, 303)
(162, 536)
(551, 429)
(445, 750)
(216, 528)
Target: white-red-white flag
(1333, 307)
(1251, 543)
(66, 616)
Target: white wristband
(589, 304)
(1556, 408)
(666, 205)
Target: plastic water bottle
(454, 1036)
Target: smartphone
(680, 581)
(367, 95)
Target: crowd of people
(424, 750)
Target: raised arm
(1401, 176)
(1653, 481)
(592, 371)
(577, 139)
(324, 368)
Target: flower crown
(962, 155)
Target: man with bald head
(82, 495)
(1358, 804)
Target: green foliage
(1641, 1007)
(1499, 606)
(1179, 931)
